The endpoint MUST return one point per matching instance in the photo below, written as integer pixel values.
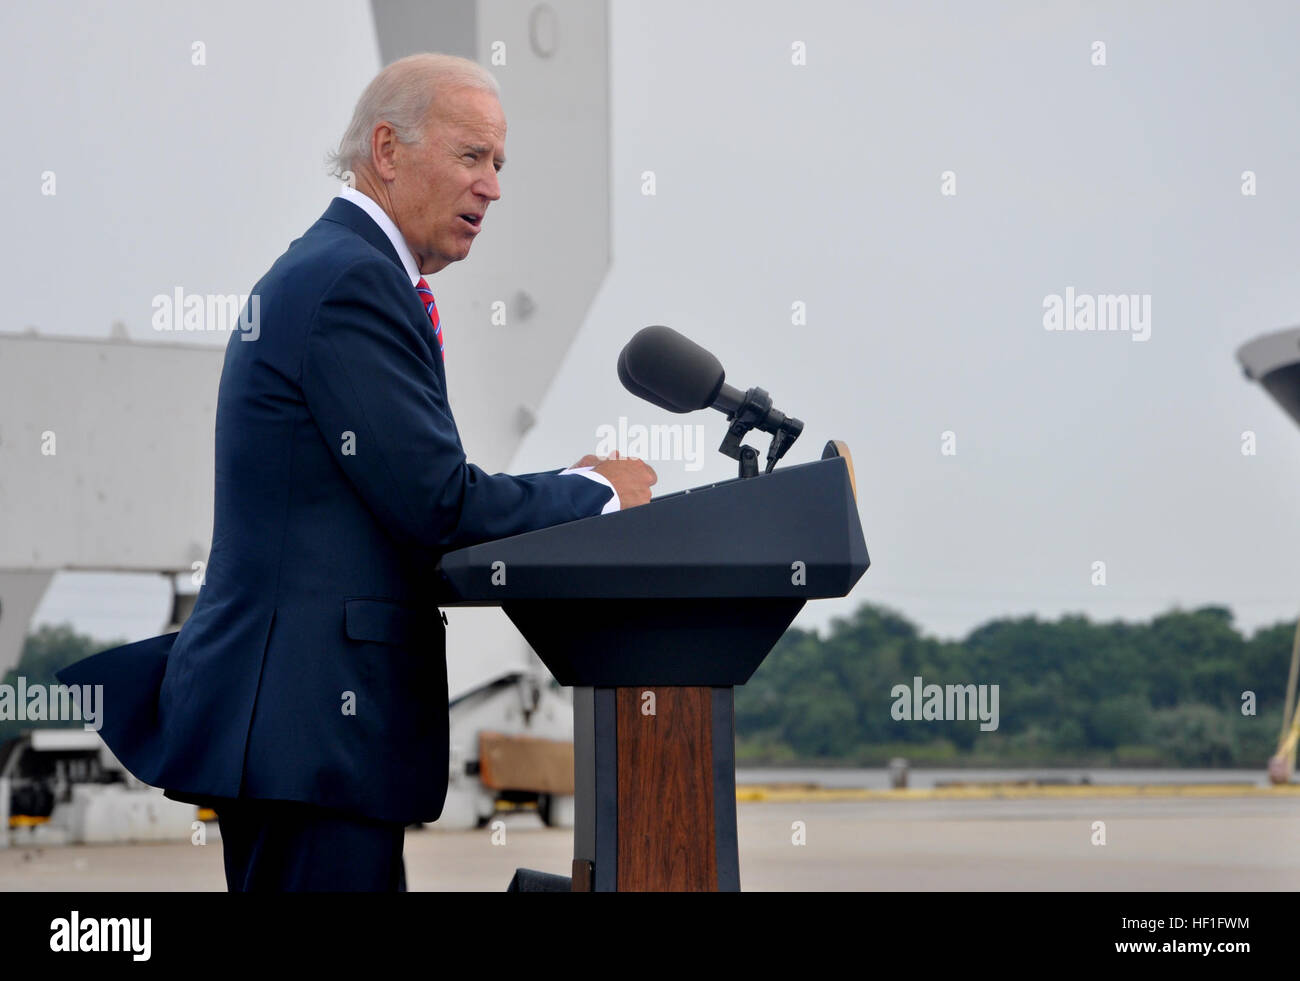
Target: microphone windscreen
(671, 371)
(631, 385)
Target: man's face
(449, 174)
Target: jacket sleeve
(367, 371)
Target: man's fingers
(632, 478)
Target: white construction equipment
(64, 786)
(1273, 360)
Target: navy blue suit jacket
(340, 480)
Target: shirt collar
(380, 218)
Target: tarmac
(1245, 843)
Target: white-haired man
(305, 699)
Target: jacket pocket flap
(384, 623)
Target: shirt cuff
(613, 503)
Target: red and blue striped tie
(426, 297)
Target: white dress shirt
(380, 218)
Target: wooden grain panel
(665, 791)
(583, 877)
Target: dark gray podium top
(793, 533)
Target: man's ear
(383, 150)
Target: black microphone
(673, 372)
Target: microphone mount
(753, 410)
(673, 372)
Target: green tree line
(1168, 692)
(46, 650)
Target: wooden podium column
(655, 793)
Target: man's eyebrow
(483, 148)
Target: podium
(653, 615)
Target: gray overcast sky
(821, 184)
(818, 183)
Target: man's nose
(489, 187)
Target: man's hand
(632, 479)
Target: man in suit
(305, 698)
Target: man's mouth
(472, 220)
